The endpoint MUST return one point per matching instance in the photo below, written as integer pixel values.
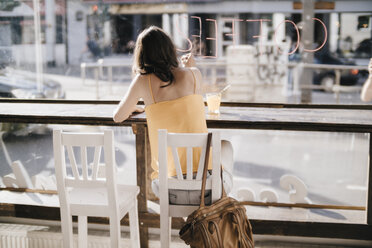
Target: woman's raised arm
(128, 104)
(366, 94)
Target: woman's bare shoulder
(185, 71)
(140, 80)
(140, 77)
(196, 71)
(194, 76)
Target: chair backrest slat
(71, 157)
(186, 140)
(84, 164)
(189, 159)
(82, 139)
(199, 174)
(177, 163)
(70, 182)
(97, 155)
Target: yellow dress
(182, 115)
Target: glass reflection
(83, 49)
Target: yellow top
(182, 115)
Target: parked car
(16, 85)
(327, 78)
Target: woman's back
(187, 81)
(179, 110)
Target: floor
(50, 236)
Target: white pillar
(219, 35)
(184, 24)
(334, 24)
(183, 33)
(77, 31)
(177, 38)
(166, 24)
(265, 32)
(50, 30)
(38, 52)
(107, 33)
(179, 29)
(278, 18)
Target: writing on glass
(233, 34)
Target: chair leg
(133, 223)
(165, 229)
(66, 224)
(115, 231)
(82, 231)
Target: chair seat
(94, 202)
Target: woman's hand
(188, 60)
(138, 110)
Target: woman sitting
(173, 101)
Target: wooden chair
(188, 181)
(86, 194)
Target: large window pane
(331, 167)
(252, 45)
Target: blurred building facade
(110, 27)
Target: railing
(98, 71)
(337, 87)
(209, 71)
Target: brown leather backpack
(223, 224)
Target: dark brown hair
(155, 53)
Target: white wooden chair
(86, 194)
(187, 182)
